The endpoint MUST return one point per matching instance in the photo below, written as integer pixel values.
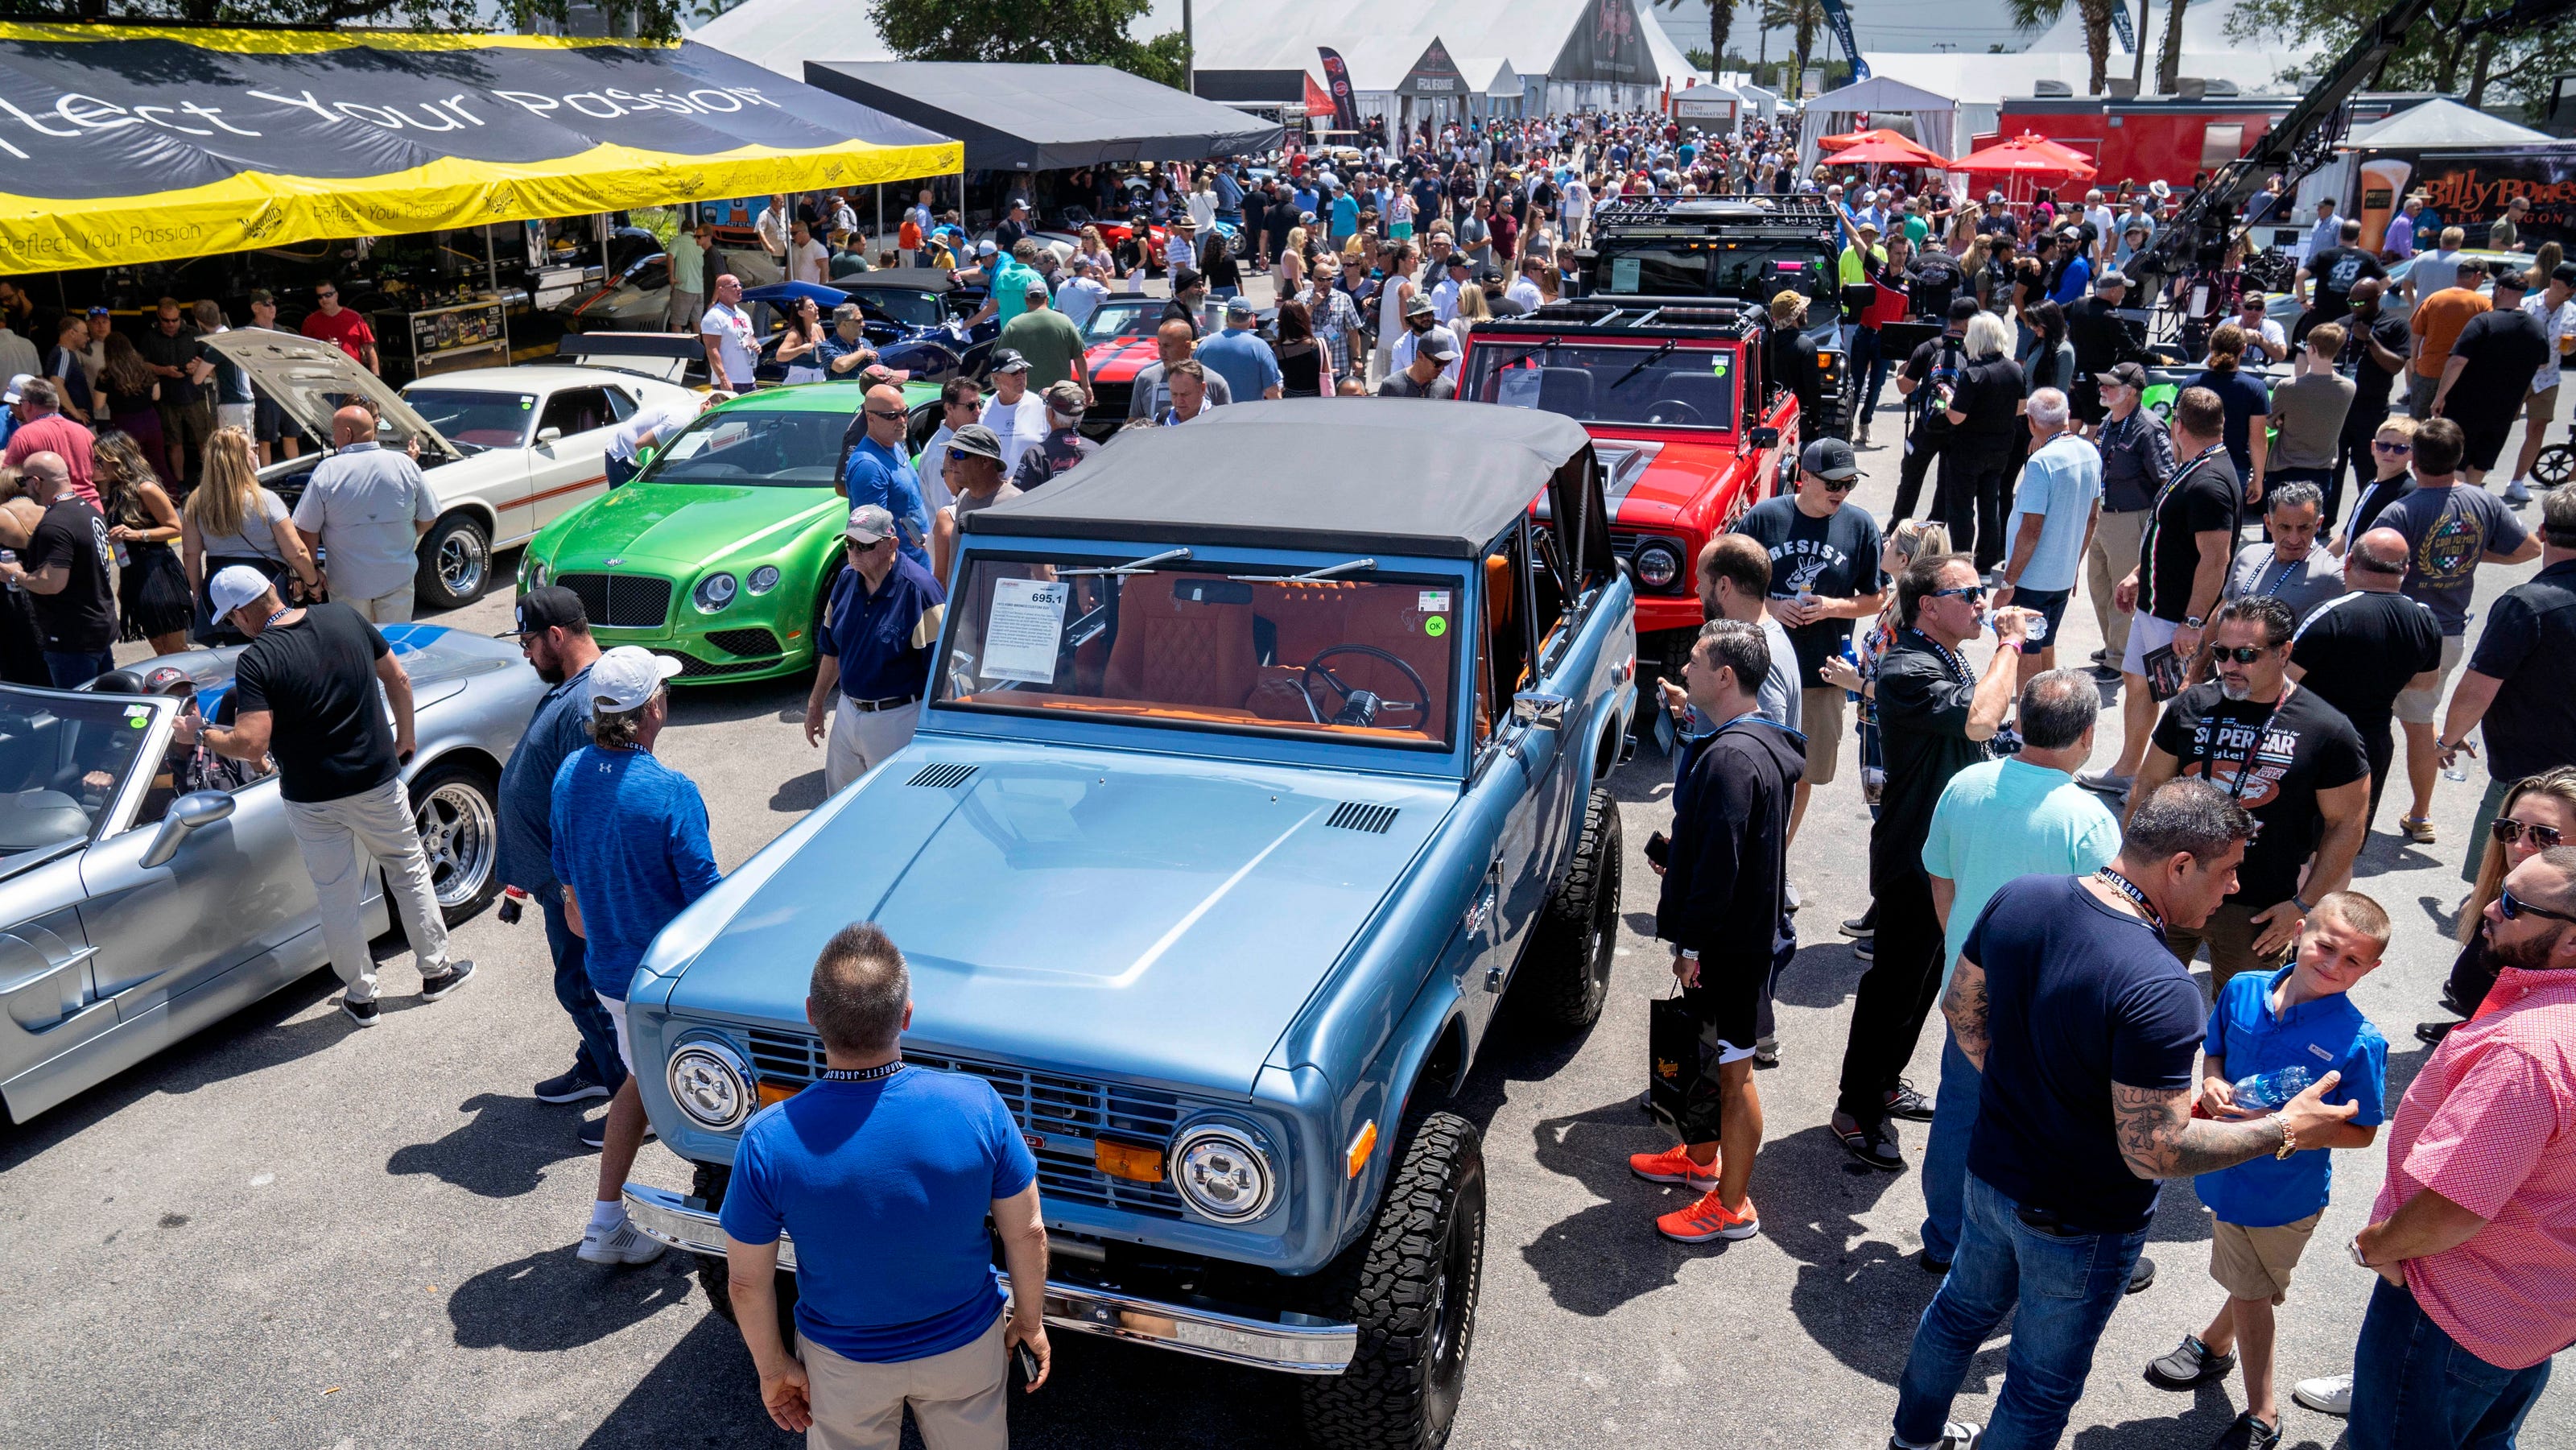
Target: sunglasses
(1972, 593)
(2379, 447)
(889, 414)
(2243, 654)
(2515, 908)
(2508, 830)
(1841, 485)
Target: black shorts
(1734, 999)
(2085, 400)
(2485, 435)
(267, 424)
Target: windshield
(1627, 383)
(1364, 658)
(912, 309)
(761, 449)
(62, 758)
(1113, 320)
(478, 419)
(1756, 270)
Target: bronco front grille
(621, 601)
(1045, 1103)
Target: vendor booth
(1046, 117)
(1934, 118)
(2468, 165)
(1712, 108)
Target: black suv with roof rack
(1744, 248)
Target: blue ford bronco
(1246, 794)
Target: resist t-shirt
(1835, 556)
(2272, 761)
(330, 733)
(2079, 997)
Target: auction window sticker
(1024, 634)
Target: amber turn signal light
(776, 1092)
(1358, 1157)
(1135, 1162)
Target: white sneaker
(2517, 493)
(623, 1243)
(2331, 1395)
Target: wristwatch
(2357, 1256)
(2289, 1140)
(2194, 621)
(2301, 903)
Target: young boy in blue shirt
(2265, 1209)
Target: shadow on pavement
(553, 1301)
(503, 1150)
(1824, 974)
(780, 699)
(703, 1393)
(2195, 1421)
(798, 794)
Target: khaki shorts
(1821, 712)
(2541, 407)
(2255, 1263)
(2418, 707)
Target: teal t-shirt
(1011, 289)
(2000, 820)
(2059, 483)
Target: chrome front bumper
(1291, 1343)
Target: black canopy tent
(1046, 117)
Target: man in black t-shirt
(2359, 650)
(2376, 344)
(2516, 682)
(305, 692)
(2086, 1032)
(1793, 363)
(1938, 280)
(1935, 718)
(1824, 574)
(2334, 273)
(2183, 559)
(2488, 378)
(67, 570)
(2280, 751)
(1932, 372)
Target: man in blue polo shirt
(874, 650)
(879, 473)
(1239, 355)
(884, 1175)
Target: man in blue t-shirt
(877, 472)
(884, 1175)
(1239, 355)
(2084, 1026)
(630, 847)
(554, 633)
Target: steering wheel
(1360, 707)
(1671, 410)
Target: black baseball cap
(1964, 308)
(547, 606)
(1830, 459)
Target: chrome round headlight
(1658, 564)
(1223, 1173)
(711, 1084)
(532, 574)
(714, 592)
(764, 579)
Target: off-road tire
(1411, 1287)
(1566, 975)
(709, 1184)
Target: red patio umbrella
(1874, 152)
(2028, 157)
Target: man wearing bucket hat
(305, 693)
(873, 651)
(631, 849)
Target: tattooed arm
(2159, 1138)
(1965, 1006)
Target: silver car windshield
(62, 760)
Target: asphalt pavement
(287, 1233)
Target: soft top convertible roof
(1381, 475)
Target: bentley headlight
(1658, 564)
(764, 579)
(532, 574)
(711, 1084)
(1223, 1173)
(714, 592)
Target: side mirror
(1539, 709)
(548, 435)
(187, 815)
(1759, 439)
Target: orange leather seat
(1312, 618)
(1175, 652)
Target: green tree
(2436, 56)
(1058, 32)
(1803, 19)
(1721, 20)
(1698, 58)
(2030, 15)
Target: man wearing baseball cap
(1064, 446)
(1249, 367)
(1425, 374)
(554, 633)
(1016, 415)
(1047, 339)
(631, 849)
(874, 650)
(1081, 294)
(304, 692)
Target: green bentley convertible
(722, 550)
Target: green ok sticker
(1435, 626)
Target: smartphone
(1028, 1362)
(1659, 849)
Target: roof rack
(1754, 209)
(1712, 317)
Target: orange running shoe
(1708, 1219)
(1674, 1165)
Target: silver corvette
(137, 906)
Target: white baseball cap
(626, 677)
(234, 586)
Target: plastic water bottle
(2265, 1092)
(2458, 769)
(1852, 660)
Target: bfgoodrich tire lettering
(1566, 976)
(1411, 1286)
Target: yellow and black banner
(134, 144)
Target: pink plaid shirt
(2490, 1124)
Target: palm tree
(2169, 60)
(1803, 19)
(1721, 20)
(2030, 15)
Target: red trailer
(2167, 138)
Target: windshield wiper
(1311, 576)
(1549, 345)
(1140, 566)
(1646, 362)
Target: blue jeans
(597, 1057)
(1869, 367)
(72, 670)
(1945, 1156)
(2060, 1292)
(2413, 1385)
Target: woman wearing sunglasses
(2539, 813)
(2392, 452)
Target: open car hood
(302, 375)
